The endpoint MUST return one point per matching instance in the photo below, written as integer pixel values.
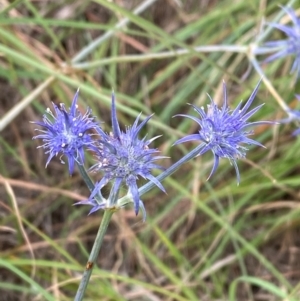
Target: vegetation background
(204, 240)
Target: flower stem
(89, 183)
(94, 255)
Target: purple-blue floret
(67, 133)
(223, 131)
(122, 158)
(289, 46)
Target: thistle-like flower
(67, 133)
(122, 157)
(289, 46)
(222, 130)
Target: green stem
(89, 183)
(94, 254)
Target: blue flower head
(122, 157)
(289, 46)
(67, 133)
(223, 131)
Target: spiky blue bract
(123, 158)
(289, 46)
(67, 133)
(224, 131)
